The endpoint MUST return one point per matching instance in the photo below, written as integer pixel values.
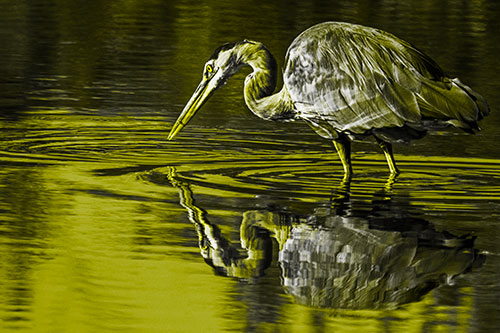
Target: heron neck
(261, 83)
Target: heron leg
(387, 149)
(343, 146)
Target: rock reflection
(339, 256)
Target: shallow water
(239, 224)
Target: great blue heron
(346, 81)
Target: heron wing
(348, 78)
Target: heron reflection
(337, 256)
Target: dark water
(239, 224)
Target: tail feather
(452, 102)
(480, 101)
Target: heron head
(223, 64)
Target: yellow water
(239, 224)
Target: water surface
(239, 224)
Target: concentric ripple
(241, 162)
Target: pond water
(239, 224)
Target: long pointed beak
(200, 96)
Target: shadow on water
(339, 255)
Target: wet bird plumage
(346, 81)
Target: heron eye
(210, 69)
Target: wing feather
(354, 79)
